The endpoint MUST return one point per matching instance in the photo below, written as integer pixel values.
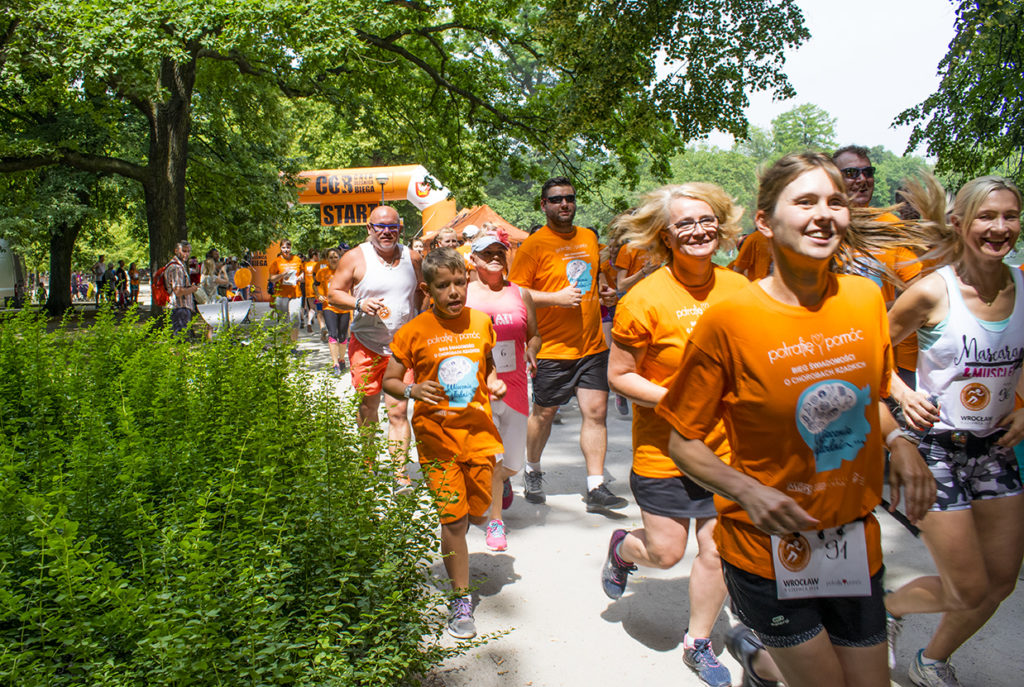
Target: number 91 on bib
(822, 563)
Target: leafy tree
(185, 98)
(890, 172)
(804, 127)
(974, 122)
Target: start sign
(343, 214)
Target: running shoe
(460, 619)
(938, 674)
(621, 405)
(702, 660)
(600, 498)
(495, 538)
(323, 336)
(615, 572)
(309, 328)
(533, 486)
(743, 644)
(893, 627)
(336, 370)
(506, 494)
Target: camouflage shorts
(969, 468)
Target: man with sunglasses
(379, 282)
(558, 264)
(859, 177)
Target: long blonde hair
(642, 227)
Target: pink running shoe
(495, 539)
(506, 494)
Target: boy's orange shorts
(368, 368)
(462, 486)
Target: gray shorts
(969, 468)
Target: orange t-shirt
(754, 259)
(279, 266)
(549, 261)
(631, 259)
(309, 269)
(659, 313)
(323, 279)
(798, 391)
(454, 354)
(904, 263)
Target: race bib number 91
(824, 563)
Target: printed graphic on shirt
(457, 375)
(832, 420)
(578, 273)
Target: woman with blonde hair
(795, 365)
(681, 226)
(969, 318)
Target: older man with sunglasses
(859, 177)
(379, 282)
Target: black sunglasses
(855, 172)
(557, 200)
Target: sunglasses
(558, 200)
(855, 172)
(386, 227)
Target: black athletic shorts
(855, 621)
(557, 380)
(672, 497)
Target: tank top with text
(973, 366)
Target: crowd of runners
(845, 347)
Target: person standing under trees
(179, 285)
(969, 317)
(683, 226)
(559, 264)
(286, 274)
(378, 281)
(511, 310)
(134, 278)
(334, 318)
(796, 365)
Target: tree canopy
(187, 99)
(974, 122)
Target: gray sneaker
(939, 674)
(460, 619)
(533, 486)
(601, 498)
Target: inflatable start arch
(348, 196)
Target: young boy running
(449, 350)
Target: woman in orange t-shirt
(682, 225)
(796, 365)
(335, 319)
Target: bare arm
(394, 384)
(923, 303)
(624, 379)
(907, 470)
(1014, 421)
(533, 340)
(339, 288)
(417, 261)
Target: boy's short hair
(442, 258)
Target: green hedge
(176, 514)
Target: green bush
(197, 514)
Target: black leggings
(337, 325)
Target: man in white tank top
(378, 281)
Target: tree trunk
(62, 242)
(164, 184)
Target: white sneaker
(938, 674)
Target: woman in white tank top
(969, 318)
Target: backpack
(161, 296)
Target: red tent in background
(478, 216)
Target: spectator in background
(180, 287)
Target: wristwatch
(408, 391)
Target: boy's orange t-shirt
(754, 259)
(659, 313)
(309, 268)
(798, 390)
(549, 261)
(278, 266)
(454, 354)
